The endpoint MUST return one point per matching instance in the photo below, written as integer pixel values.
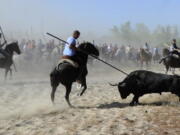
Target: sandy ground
(26, 109)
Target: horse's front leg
(84, 85)
(10, 73)
(68, 91)
(141, 64)
(173, 71)
(147, 65)
(6, 73)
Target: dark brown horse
(170, 61)
(7, 62)
(145, 56)
(66, 74)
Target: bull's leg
(135, 100)
(68, 91)
(84, 86)
(53, 93)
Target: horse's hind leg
(68, 91)
(53, 93)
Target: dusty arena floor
(26, 109)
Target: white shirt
(67, 50)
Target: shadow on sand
(105, 106)
(161, 103)
(123, 105)
(113, 105)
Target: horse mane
(12, 43)
(81, 46)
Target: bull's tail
(113, 84)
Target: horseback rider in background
(3, 54)
(174, 49)
(147, 47)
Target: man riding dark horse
(70, 48)
(169, 60)
(147, 48)
(3, 54)
(70, 51)
(174, 49)
(66, 73)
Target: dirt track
(25, 109)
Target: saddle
(66, 59)
(175, 56)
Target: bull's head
(123, 90)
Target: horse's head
(89, 48)
(13, 47)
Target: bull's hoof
(132, 104)
(79, 94)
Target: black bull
(145, 82)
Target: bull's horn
(113, 84)
(123, 84)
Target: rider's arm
(72, 43)
(73, 47)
